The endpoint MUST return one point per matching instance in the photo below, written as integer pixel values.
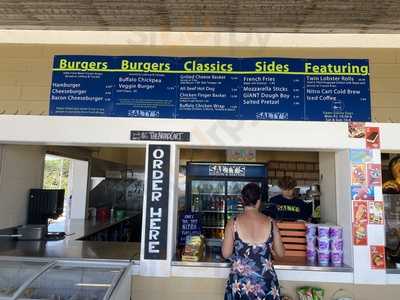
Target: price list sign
(82, 86)
(337, 90)
(208, 88)
(290, 89)
(145, 87)
(272, 89)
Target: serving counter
(72, 246)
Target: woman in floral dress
(250, 241)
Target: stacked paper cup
(311, 237)
(323, 243)
(336, 245)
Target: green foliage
(52, 174)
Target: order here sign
(157, 202)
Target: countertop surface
(71, 247)
(289, 263)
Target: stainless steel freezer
(64, 280)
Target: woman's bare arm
(277, 245)
(227, 244)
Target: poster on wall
(362, 192)
(360, 234)
(264, 88)
(374, 174)
(360, 212)
(360, 221)
(356, 130)
(358, 174)
(372, 137)
(375, 212)
(377, 255)
(360, 156)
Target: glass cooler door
(13, 274)
(233, 203)
(208, 199)
(74, 281)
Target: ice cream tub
(311, 255)
(323, 231)
(323, 258)
(311, 230)
(336, 232)
(337, 258)
(311, 242)
(323, 244)
(336, 245)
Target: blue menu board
(211, 88)
(272, 89)
(337, 90)
(208, 88)
(82, 86)
(144, 87)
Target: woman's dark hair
(287, 183)
(251, 193)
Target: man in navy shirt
(286, 206)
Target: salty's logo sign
(227, 170)
(157, 201)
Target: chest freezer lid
(75, 280)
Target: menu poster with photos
(358, 174)
(374, 174)
(360, 156)
(360, 234)
(356, 130)
(372, 137)
(362, 192)
(360, 212)
(376, 212)
(377, 255)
